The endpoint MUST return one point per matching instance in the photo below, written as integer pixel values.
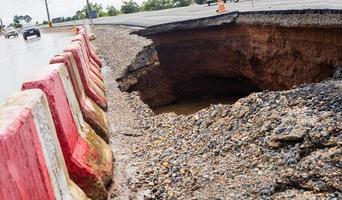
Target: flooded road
(19, 59)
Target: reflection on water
(190, 106)
(19, 59)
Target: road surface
(152, 18)
(20, 59)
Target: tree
(21, 19)
(97, 7)
(157, 4)
(200, 1)
(16, 19)
(80, 14)
(164, 4)
(67, 19)
(129, 6)
(181, 3)
(111, 11)
(27, 18)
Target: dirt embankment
(269, 145)
(240, 57)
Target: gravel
(269, 145)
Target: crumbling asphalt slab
(269, 145)
(286, 18)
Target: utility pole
(1, 24)
(48, 13)
(88, 11)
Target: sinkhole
(198, 93)
(184, 71)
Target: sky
(58, 8)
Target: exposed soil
(268, 145)
(235, 59)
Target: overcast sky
(58, 8)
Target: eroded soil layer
(268, 145)
(239, 58)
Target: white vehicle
(10, 32)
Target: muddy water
(190, 106)
(19, 59)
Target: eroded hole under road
(187, 70)
(197, 93)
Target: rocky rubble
(269, 145)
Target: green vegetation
(129, 6)
(200, 1)
(98, 8)
(19, 20)
(156, 5)
(83, 13)
(163, 4)
(111, 11)
(182, 3)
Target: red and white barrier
(91, 63)
(53, 133)
(99, 82)
(92, 113)
(92, 53)
(32, 165)
(88, 158)
(91, 88)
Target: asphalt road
(20, 59)
(151, 18)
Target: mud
(282, 144)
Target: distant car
(10, 32)
(29, 30)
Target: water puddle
(193, 105)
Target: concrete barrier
(88, 48)
(68, 143)
(92, 64)
(99, 82)
(91, 88)
(92, 53)
(81, 37)
(32, 165)
(92, 113)
(83, 30)
(88, 157)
